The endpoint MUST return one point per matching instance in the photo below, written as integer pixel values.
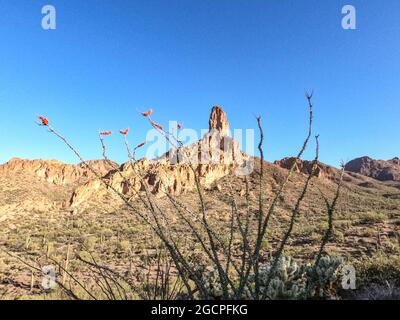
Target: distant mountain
(383, 170)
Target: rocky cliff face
(213, 157)
(305, 167)
(54, 171)
(383, 170)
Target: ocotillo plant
(224, 274)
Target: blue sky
(108, 59)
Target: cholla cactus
(287, 281)
(290, 278)
(213, 285)
(325, 275)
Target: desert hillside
(50, 210)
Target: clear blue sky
(106, 59)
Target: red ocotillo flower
(44, 121)
(180, 126)
(147, 113)
(106, 133)
(159, 126)
(141, 144)
(124, 132)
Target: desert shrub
(124, 246)
(387, 291)
(90, 243)
(338, 236)
(77, 223)
(379, 269)
(372, 217)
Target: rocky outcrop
(383, 170)
(211, 158)
(56, 172)
(304, 166)
(219, 121)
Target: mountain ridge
(383, 170)
(212, 158)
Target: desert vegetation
(166, 245)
